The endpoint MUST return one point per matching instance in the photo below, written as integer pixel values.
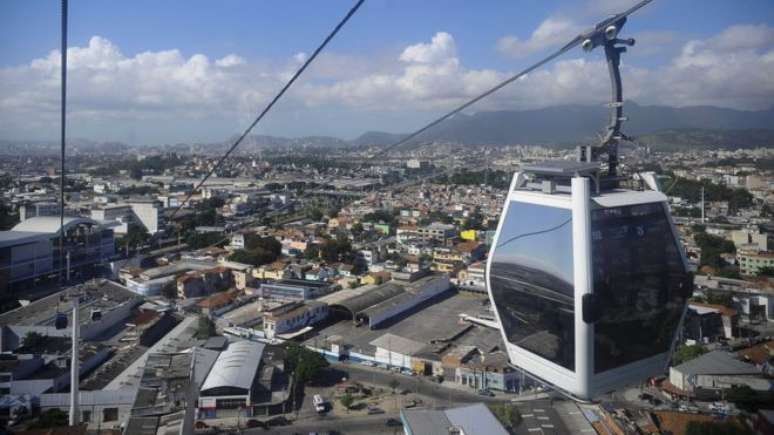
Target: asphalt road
(445, 396)
(365, 425)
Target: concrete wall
(392, 358)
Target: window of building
(110, 414)
(86, 416)
(637, 269)
(531, 277)
(230, 403)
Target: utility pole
(62, 138)
(75, 364)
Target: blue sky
(148, 72)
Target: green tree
(304, 363)
(315, 214)
(135, 173)
(205, 328)
(51, 418)
(335, 250)
(347, 400)
(507, 414)
(255, 257)
(380, 216)
(312, 252)
(687, 353)
(357, 229)
(767, 271)
(202, 240)
(8, 219)
(267, 244)
(33, 340)
(721, 298)
(711, 248)
(394, 384)
(169, 290)
(136, 236)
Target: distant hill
(661, 127)
(673, 139)
(568, 124)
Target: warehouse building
(708, 375)
(387, 301)
(231, 383)
(31, 249)
(467, 420)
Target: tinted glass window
(637, 270)
(531, 278)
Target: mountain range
(660, 127)
(698, 126)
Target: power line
(271, 103)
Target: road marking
(539, 410)
(542, 418)
(547, 426)
(528, 415)
(534, 429)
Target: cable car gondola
(588, 279)
(60, 321)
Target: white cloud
(230, 60)
(550, 33)
(734, 68)
(441, 48)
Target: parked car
(256, 423)
(374, 410)
(486, 392)
(278, 421)
(393, 422)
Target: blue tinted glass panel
(531, 278)
(637, 270)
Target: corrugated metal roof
(475, 419)
(379, 294)
(124, 396)
(235, 366)
(716, 362)
(50, 224)
(396, 343)
(426, 421)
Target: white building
(229, 384)
(150, 213)
(293, 316)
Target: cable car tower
(588, 279)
